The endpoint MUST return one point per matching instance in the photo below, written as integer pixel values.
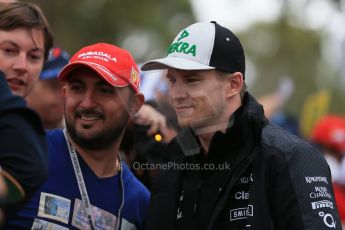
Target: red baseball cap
(113, 64)
(329, 132)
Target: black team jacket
(275, 180)
(23, 149)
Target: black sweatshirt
(23, 148)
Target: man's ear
(136, 102)
(63, 90)
(234, 84)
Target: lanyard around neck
(81, 182)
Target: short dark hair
(26, 15)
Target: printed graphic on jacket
(238, 208)
(320, 199)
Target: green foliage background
(146, 28)
(81, 22)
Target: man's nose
(21, 62)
(178, 90)
(88, 100)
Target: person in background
(229, 167)
(142, 144)
(25, 41)
(88, 187)
(274, 102)
(46, 97)
(141, 148)
(329, 136)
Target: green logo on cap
(183, 35)
(182, 46)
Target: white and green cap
(203, 46)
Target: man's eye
(107, 90)
(75, 88)
(9, 51)
(35, 57)
(191, 80)
(171, 80)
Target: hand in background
(148, 115)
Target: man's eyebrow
(104, 83)
(37, 49)
(9, 42)
(5, 42)
(193, 74)
(73, 80)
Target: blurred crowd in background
(317, 124)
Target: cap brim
(174, 62)
(109, 77)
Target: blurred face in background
(21, 58)
(46, 99)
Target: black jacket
(23, 148)
(289, 182)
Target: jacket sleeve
(303, 195)
(23, 148)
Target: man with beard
(88, 186)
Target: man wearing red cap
(88, 186)
(329, 135)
